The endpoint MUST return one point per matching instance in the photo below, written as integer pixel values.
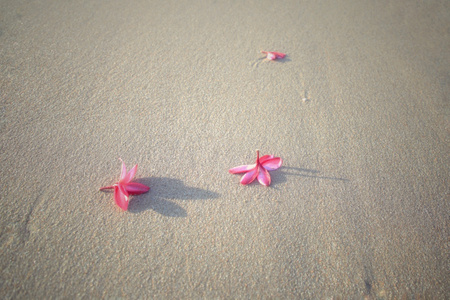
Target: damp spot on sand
(368, 286)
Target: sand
(358, 111)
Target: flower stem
(106, 187)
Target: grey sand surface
(360, 207)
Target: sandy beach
(358, 111)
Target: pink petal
(264, 177)
(123, 190)
(124, 170)
(241, 169)
(120, 197)
(130, 175)
(279, 54)
(250, 176)
(135, 188)
(272, 163)
(264, 158)
(271, 56)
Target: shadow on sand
(281, 175)
(162, 191)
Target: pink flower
(124, 188)
(259, 170)
(273, 55)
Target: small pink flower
(273, 55)
(124, 187)
(258, 170)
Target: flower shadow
(283, 60)
(162, 191)
(280, 175)
(278, 60)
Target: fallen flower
(273, 55)
(258, 170)
(124, 188)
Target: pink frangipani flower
(273, 55)
(258, 170)
(124, 187)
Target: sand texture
(358, 111)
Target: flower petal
(136, 188)
(272, 55)
(124, 170)
(250, 176)
(272, 163)
(264, 177)
(120, 197)
(130, 175)
(123, 190)
(279, 54)
(264, 158)
(241, 169)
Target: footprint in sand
(254, 64)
